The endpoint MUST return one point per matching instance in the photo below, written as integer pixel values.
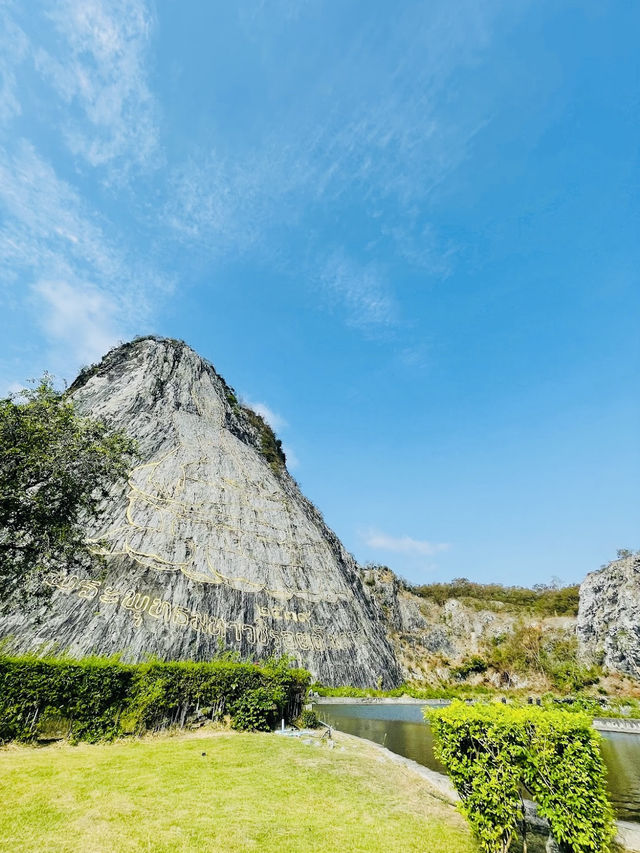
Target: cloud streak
(403, 544)
(376, 123)
(48, 231)
(80, 316)
(361, 289)
(362, 137)
(14, 47)
(86, 290)
(102, 78)
(81, 66)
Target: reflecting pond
(402, 730)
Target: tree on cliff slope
(55, 469)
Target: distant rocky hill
(455, 637)
(609, 616)
(550, 639)
(209, 545)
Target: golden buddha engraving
(219, 529)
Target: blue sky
(408, 233)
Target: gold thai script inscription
(284, 615)
(260, 633)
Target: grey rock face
(430, 638)
(609, 616)
(400, 609)
(209, 545)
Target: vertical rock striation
(609, 616)
(209, 545)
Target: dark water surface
(401, 729)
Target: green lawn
(250, 792)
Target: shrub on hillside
(552, 654)
(470, 666)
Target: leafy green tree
(56, 468)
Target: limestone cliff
(210, 544)
(432, 640)
(609, 616)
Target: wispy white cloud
(64, 264)
(14, 47)
(275, 421)
(77, 271)
(370, 136)
(100, 72)
(62, 258)
(402, 544)
(360, 289)
(419, 244)
(370, 131)
(415, 356)
(80, 317)
(50, 231)
(293, 462)
(218, 205)
(46, 225)
(7, 388)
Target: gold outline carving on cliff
(149, 494)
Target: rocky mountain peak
(209, 545)
(168, 373)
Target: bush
(256, 710)
(100, 698)
(470, 666)
(308, 720)
(490, 751)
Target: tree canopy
(56, 468)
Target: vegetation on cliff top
(541, 600)
(270, 446)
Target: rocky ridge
(209, 545)
(609, 616)
(431, 639)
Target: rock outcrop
(609, 616)
(210, 545)
(431, 639)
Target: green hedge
(491, 752)
(97, 698)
